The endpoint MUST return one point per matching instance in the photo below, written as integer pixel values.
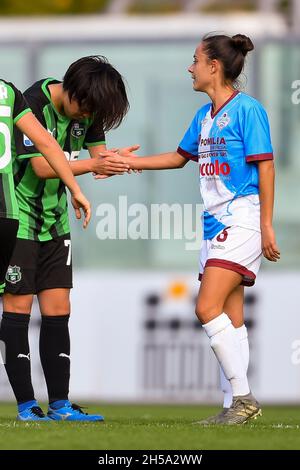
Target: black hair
(230, 51)
(98, 88)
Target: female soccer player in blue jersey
(229, 138)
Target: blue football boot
(30, 411)
(63, 410)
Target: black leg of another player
(14, 326)
(55, 355)
(8, 230)
(14, 334)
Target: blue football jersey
(227, 144)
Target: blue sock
(26, 404)
(55, 405)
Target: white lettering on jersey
(6, 157)
(5, 111)
(73, 156)
(3, 92)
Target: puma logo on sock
(27, 356)
(64, 355)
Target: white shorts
(235, 248)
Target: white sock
(244, 344)
(226, 389)
(225, 384)
(226, 346)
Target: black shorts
(36, 266)
(8, 231)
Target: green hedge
(55, 7)
(155, 6)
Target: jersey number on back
(5, 158)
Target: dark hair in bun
(230, 51)
(242, 43)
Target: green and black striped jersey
(12, 107)
(43, 203)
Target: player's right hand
(109, 164)
(268, 243)
(80, 202)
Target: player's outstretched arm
(163, 161)
(108, 167)
(266, 196)
(50, 149)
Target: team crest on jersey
(13, 274)
(26, 141)
(77, 130)
(223, 121)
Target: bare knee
(56, 309)
(55, 302)
(207, 311)
(17, 303)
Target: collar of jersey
(46, 92)
(213, 114)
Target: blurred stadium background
(134, 334)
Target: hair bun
(242, 43)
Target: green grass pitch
(144, 427)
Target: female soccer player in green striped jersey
(14, 111)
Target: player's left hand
(268, 243)
(79, 202)
(127, 151)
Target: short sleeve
(25, 148)
(94, 136)
(188, 147)
(21, 106)
(256, 134)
